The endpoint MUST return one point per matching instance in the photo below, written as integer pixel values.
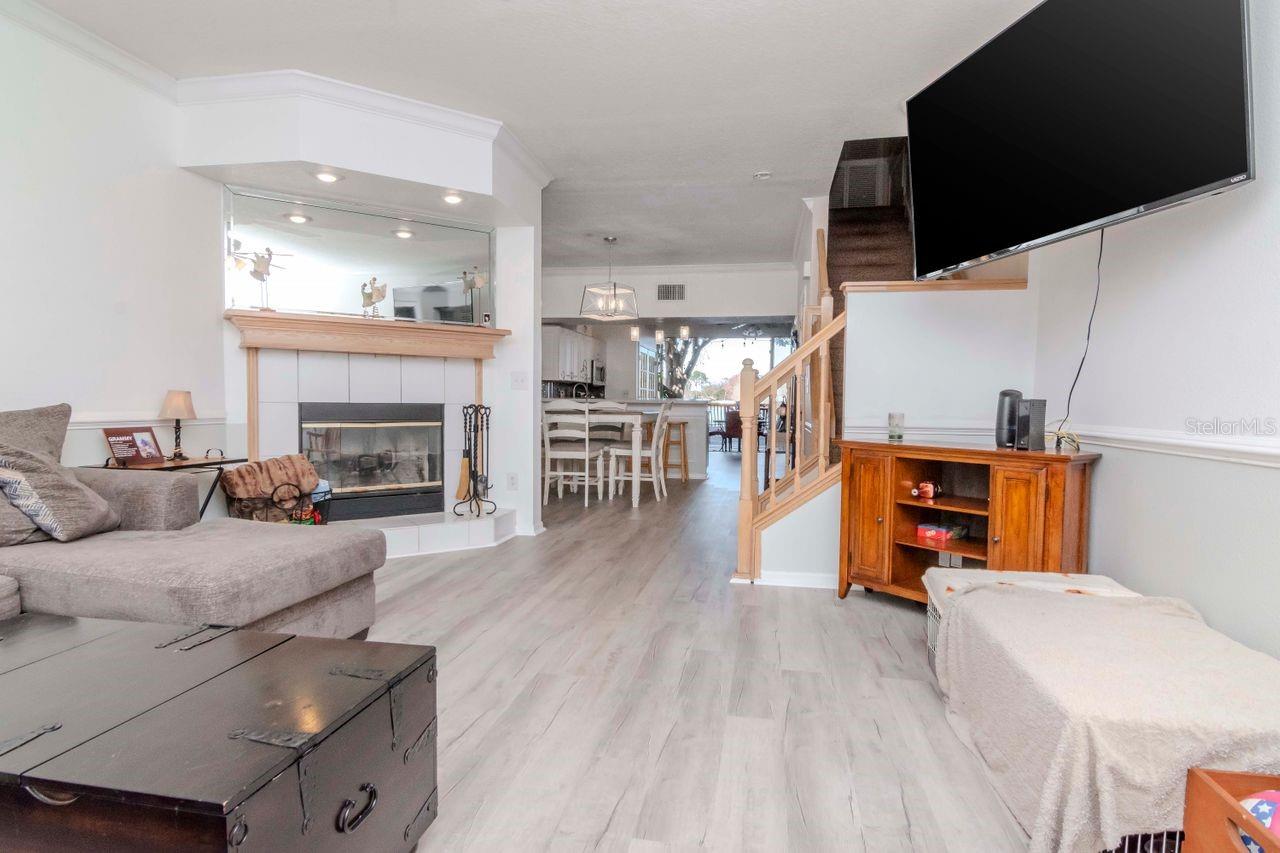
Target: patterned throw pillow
(51, 496)
(16, 528)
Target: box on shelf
(941, 533)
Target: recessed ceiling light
(762, 175)
(298, 218)
(453, 198)
(328, 177)
(403, 233)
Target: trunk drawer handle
(346, 823)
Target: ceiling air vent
(671, 293)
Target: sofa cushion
(146, 500)
(16, 527)
(43, 429)
(218, 572)
(10, 604)
(51, 496)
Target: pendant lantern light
(608, 300)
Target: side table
(206, 463)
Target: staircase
(796, 463)
(865, 244)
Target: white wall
(803, 548)
(112, 288)
(727, 290)
(940, 358)
(1186, 328)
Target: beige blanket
(1089, 710)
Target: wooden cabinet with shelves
(1024, 511)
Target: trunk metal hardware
(395, 691)
(306, 790)
(238, 833)
(289, 740)
(426, 809)
(423, 739)
(13, 743)
(367, 673)
(295, 741)
(218, 631)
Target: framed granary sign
(133, 445)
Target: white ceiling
(651, 115)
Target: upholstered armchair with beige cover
(162, 564)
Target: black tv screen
(1081, 114)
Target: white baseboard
(799, 580)
(795, 580)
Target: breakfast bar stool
(677, 438)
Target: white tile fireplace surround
(288, 377)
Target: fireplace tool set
(473, 485)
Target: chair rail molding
(1258, 452)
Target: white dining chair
(621, 458)
(577, 435)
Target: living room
(293, 265)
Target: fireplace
(379, 458)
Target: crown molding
(675, 270)
(86, 45)
(291, 83)
(267, 85)
(510, 144)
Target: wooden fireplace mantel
(336, 333)
(261, 330)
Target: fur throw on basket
(261, 479)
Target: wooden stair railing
(799, 443)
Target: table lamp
(177, 405)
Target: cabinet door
(550, 352)
(1016, 528)
(566, 354)
(870, 519)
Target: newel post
(747, 495)
(828, 309)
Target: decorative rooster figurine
(371, 293)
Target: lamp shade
(609, 301)
(177, 406)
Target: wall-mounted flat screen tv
(1081, 114)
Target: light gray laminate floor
(603, 686)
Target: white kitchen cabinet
(567, 355)
(552, 363)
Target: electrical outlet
(519, 380)
(513, 482)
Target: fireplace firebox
(379, 458)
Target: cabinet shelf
(974, 548)
(1034, 508)
(968, 506)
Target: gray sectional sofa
(162, 564)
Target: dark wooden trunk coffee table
(141, 737)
